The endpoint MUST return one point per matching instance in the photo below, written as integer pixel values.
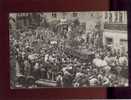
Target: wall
(116, 36)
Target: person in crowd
(59, 80)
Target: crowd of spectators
(42, 54)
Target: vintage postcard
(68, 49)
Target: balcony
(112, 26)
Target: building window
(92, 15)
(124, 45)
(116, 16)
(120, 18)
(54, 15)
(24, 21)
(75, 14)
(110, 17)
(82, 26)
(109, 41)
(106, 15)
(123, 42)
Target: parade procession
(68, 49)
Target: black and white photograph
(68, 49)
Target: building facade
(113, 23)
(12, 21)
(115, 30)
(25, 20)
(89, 19)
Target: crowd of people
(42, 54)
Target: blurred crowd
(52, 58)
